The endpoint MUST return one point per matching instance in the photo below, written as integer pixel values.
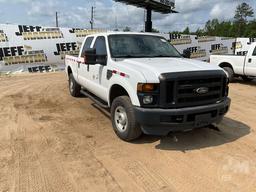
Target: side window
(254, 52)
(87, 44)
(100, 46)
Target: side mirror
(186, 53)
(90, 56)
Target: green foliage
(127, 29)
(250, 30)
(239, 27)
(155, 30)
(243, 11)
(186, 31)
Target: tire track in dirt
(35, 173)
(140, 176)
(50, 141)
(94, 173)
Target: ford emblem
(202, 90)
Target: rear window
(87, 44)
(254, 52)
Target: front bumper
(164, 121)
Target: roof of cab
(123, 33)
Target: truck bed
(236, 60)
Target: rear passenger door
(83, 69)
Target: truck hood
(151, 68)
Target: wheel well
(226, 65)
(116, 91)
(69, 70)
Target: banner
(202, 47)
(242, 45)
(42, 49)
(38, 49)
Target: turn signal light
(147, 87)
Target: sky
(109, 14)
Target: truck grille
(192, 89)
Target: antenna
(144, 20)
(116, 26)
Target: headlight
(148, 94)
(148, 99)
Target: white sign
(41, 49)
(37, 48)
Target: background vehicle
(147, 84)
(236, 65)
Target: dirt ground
(50, 141)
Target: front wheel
(74, 87)
(123, 119)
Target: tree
(155, 30)
(250, 30)
(241, 26)
(186, 31)
(200, 32)
(211, 27)
(243, 11)
(126, 29)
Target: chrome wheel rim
(121, 119)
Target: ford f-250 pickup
(238, 65)
(147, 84)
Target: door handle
(250, 60)
(79, 63)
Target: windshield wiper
(145, 56)
(130, 56)
(164, 56)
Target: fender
(130, 89)
(71, 62)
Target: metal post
(92, 17)
(57, 19)
(148, 23)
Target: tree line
(240, 26)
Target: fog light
(148, 99)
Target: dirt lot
(50, 141)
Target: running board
(95, 99)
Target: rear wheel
(74, 87)
(230, 72)
(123, 119)
(247, 79)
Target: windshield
(137, 46)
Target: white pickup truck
(238, 65)
(147, 84)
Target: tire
(230, 72)
(123, 119)
(74, 87)
(247, 79)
